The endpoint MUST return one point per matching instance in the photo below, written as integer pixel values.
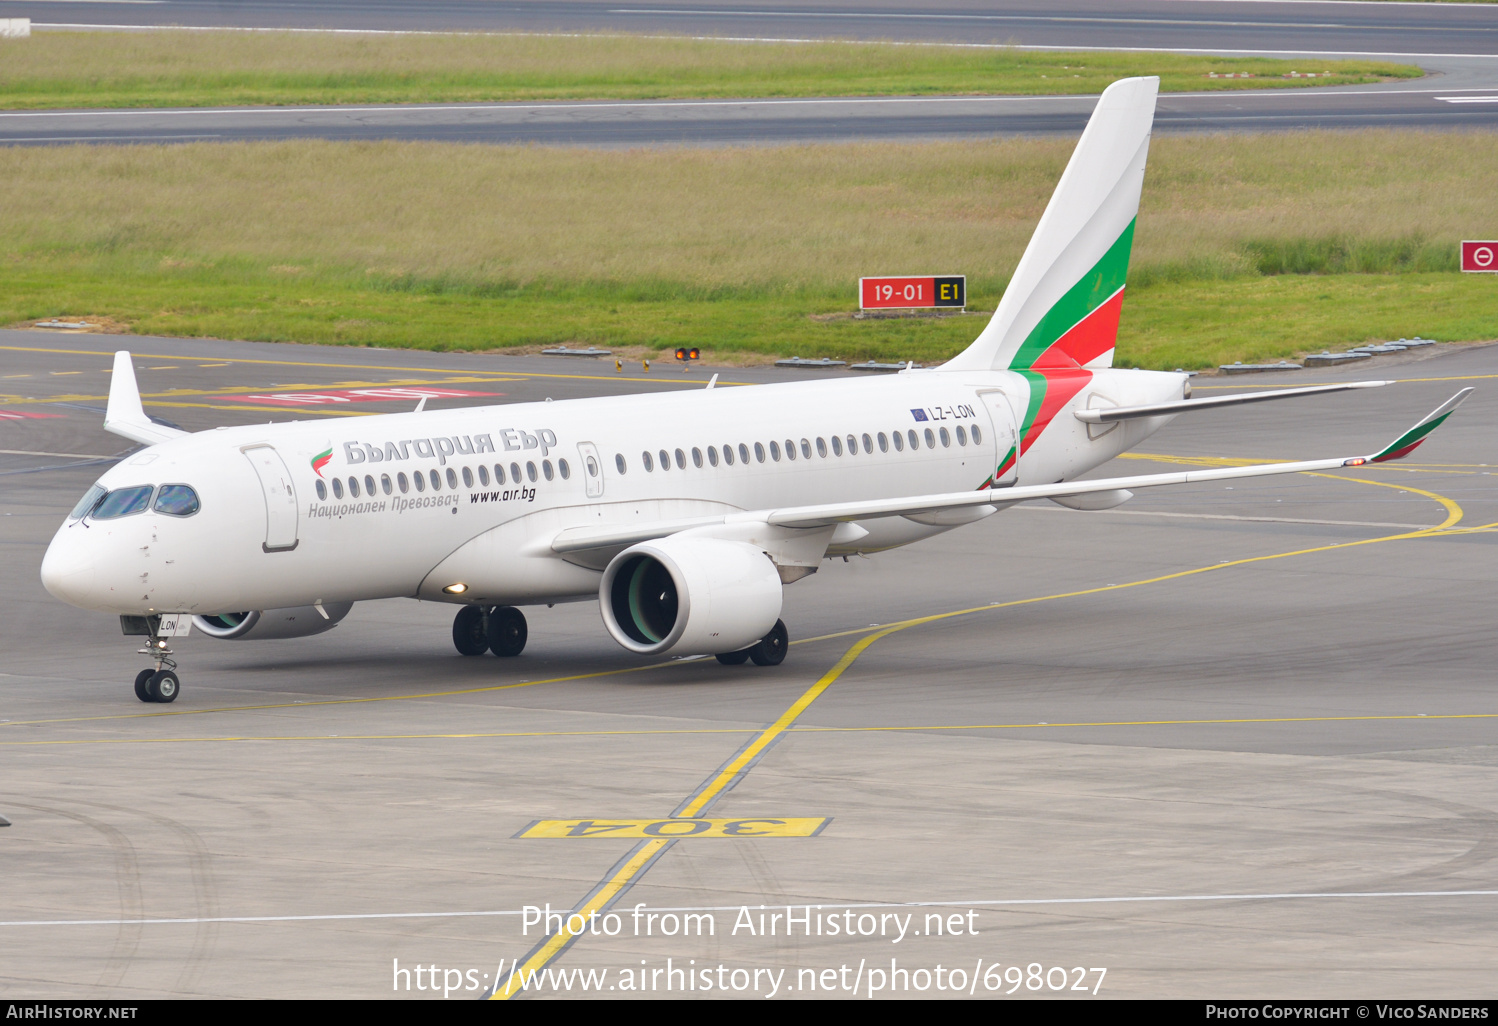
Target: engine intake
(260, 624)
(690, 595)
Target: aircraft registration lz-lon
(685, 515)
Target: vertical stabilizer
(1062, 306)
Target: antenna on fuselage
(713, 381)
(421, 405)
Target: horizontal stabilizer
(125, 416)
(1115, 413)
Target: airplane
(684, 515)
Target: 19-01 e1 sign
(912, 293)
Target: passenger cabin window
(837, 446)
(514, 473)
(899, 441)
(353, 487)
(977, 437)
(177, 500)
(530, 472)
(930, 439)
(369, 485)
(483, 476)
(852, 446)
(728, 455)
(759, 452)
(88, 502)
(696, 457)
(775, 451)
(821, 447)
(806, 447)
(419, 478)
(122, 502)
(646, 460)
(946, 439)
(436, 479)
(868, 444)
(565, 470)
(467, 478)
(961, 435)
(744, 454)
(338, 487)
(385, 484)
(790, 449)
(619, 462)
(322, 489)
(681, 460)
(400, 481)
(915, 441)
(712, 455)
(546, 470)
(883, 442)
(452, 478)
(665, 460)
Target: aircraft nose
(68, 569)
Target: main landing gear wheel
(771, 648)
(470, 634)
(141, 680)
(163, 686)
(507, 631)
(733, 658)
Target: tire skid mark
(127, 884)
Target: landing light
(455, 589)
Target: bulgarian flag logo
(321, 460)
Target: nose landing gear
(158, 683)
(498, 629)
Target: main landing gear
(158, 683)
(768, 651)
(497, 629)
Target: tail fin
(1062, 304)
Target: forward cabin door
(280, 498)
(592, 468)
(1005, 437)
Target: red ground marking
(356, 395)
(27, 415)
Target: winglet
(125, 416)
(1411, 439)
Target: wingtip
(1412, 439)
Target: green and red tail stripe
(1411, 439)
(321, 460)
(1079, 328)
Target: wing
(125, 416)
(579, 539)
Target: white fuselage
(494, 492)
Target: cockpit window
(178, 500)
(88, 502)
(124, 501)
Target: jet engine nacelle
(258, 624)
(690, 595)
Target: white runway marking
(982, 902)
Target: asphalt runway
(745, 122)
(1223, 742)
(1180, 24)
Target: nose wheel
(158, 683)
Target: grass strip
(1248, 247)
(195, 69)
